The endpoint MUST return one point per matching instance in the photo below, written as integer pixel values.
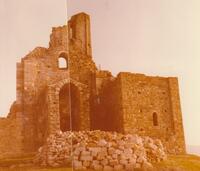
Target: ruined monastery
(60, 88)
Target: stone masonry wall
(132, 103)
(178, 140)
(40, 69)
(10, 131)
(148, 108)
(41, 119)
(110, 107)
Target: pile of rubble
(100, 150)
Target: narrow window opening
(70, 33)
(155, 119)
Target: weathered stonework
(81, 97)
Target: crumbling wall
(41, 119)
(128, 103)
(11, 138)
(40, 69)
(79, 33)
(108, 110)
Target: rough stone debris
(100, 150)
(127, 103)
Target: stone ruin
(99, 150)
(59, 88)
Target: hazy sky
(156, 37)
(25, 24)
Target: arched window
(62, 61)
(155, 119)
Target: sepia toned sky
(156, 37)
(25, 24)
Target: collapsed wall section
(109, 109)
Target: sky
(156, 37)
(25, 24)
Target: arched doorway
(69, 107)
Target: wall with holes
(148, 107)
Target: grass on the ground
(186, 162)
(36, 169)
(6, 163)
